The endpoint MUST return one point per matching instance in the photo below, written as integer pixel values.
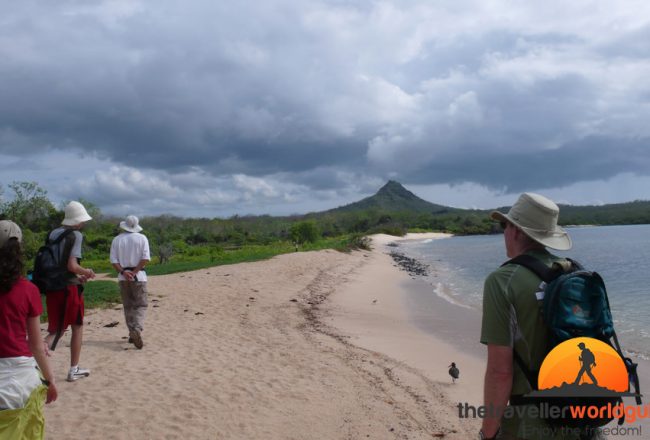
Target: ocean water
(621, 254)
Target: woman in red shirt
(21, 345)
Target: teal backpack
(574, 303)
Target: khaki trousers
(134, 299)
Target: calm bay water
(621, 254)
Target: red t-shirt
(21, 302)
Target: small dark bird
(454, 372)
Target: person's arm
(497, 386)
(75, 268)
(131, 274)
(141, 265)
(496, 334)
(38, 351)
(73, 265)
(118, 267)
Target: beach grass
(201, 257)
(101, 294)
(104, 293)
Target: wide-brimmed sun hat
(75, 213)
(537, 217)
(130, 224)
(9, 230)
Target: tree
(30, 208)
(303, 232)
(165, 252)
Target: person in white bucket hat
(510, 321)
(129, 255)
(66, 307)
(75, 214)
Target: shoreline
(428, 310)
(378, 311)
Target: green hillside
(630, 213)
(394, 208)
(393, 197)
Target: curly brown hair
(11, 264)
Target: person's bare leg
(75, 344)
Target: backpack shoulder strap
(547, 275)
(58, 239)
(67, 247)
(530, 376)
(533, 264)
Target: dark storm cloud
(588, 160)
(332, 96)
(174, 94)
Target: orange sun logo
(583, 361)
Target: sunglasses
(504, 225)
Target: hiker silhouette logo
(581, 384)
(583, 367)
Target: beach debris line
(410, 265)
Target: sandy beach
(313, 345)
(383, 319)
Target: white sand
(229, 355)
(371, 306)
(371, 309)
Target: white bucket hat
(130, 224)
(75, 213)
(537, 217)
(9, 230)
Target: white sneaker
(77, 373)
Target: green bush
(358, 241)
(304, 232)
(392, 229)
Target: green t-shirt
(512, 318)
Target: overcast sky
(214, 108)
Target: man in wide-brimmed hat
(66, 307)
(129, 256)
(511, 321)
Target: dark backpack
(574, 304)
(51, 263)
